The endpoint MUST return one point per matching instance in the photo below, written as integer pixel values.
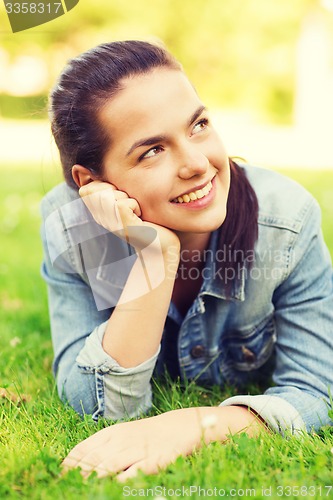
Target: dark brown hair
(239, 231)
(86, 84)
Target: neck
(193, 244)
(187, 284)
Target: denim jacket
(277, 325)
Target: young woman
(161, 253)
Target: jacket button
(197, 351)
(249, 356)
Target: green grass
(36, 436)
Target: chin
(207, 227)
(214, 222)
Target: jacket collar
(214, 283)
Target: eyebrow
(150, 141)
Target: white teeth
(194, 195)
(207, 188)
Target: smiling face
(165, 152)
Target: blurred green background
(265, 69)
(240, 53)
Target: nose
(191, 162)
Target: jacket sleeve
(303, 377)
(90, 380)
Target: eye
(151, 152)
(200, 125)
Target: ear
(81, 175)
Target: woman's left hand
(152, 443)
(147, 444)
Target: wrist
(218, 423)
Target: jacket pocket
(249, 349)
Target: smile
(194, 195)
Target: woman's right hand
(116, 212)
(133, 333)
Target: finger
(95, 186)
(103, 461)
(119, 195)
(146, 466)
(87, 446)
(102, 205)
(70, 462)
(112, 208)
(127, 207)
(84, 464)
(125, 210)
(118, 463)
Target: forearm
(206, 424)
(135, 328)
(218, 423)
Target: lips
(194, 195)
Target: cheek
(152, 199)
(132, 186)
(218, 153)
(150, 186)
(144, 194)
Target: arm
(153, 443)
(134, 330)
(88, 377)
